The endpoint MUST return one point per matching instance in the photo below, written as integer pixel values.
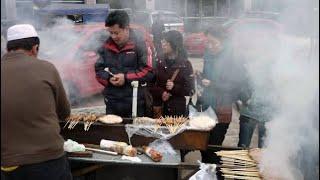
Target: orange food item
(152, 153)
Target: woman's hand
(165, 96)
(169, 85)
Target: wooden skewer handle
(174, 75)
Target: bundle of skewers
(74, 119)
(173, 123)
(238, 164)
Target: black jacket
(134, 60)
(183, 86)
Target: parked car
(76, 58)
(195, 42)
(172, 21)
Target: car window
(171, 18)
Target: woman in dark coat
(169, 91)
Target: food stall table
(169, 168)
(188, 139)
(102, 166)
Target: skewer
(233, 166)
(66, 124)
(241, 177)
(102, 151)
(243, 173)
(239, 158)
(242, 169)
(233, 152)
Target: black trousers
(124, 109)
(217, 135)
(56, 169)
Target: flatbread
(110, 119)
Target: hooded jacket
(134, 60)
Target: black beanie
(174, 38)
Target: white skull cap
(21, 31)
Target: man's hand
(117, 79)
(206, 82)
(169, 85)
(165, 96)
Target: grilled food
(152, 153)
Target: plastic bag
(206, 172)
(205, 120)
(163, 147)
(151, 131)
(73, 146)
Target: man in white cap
(32, 102)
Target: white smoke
(293, 130)
(71, 48)
(283, 71)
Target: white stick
(135, 85)
(102, 151)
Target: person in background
(220, 82)
(252, 114)
(123, 59)
(256, 97)
(33, 101)
(157, 29)
(257, 92)
(174, 77)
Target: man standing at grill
(32, 102)
(123, 59)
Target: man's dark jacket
(134, 60)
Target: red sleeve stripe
(102, 81)
(139, 74)
(149, 57)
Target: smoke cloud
(282, 68)
(72, 48)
